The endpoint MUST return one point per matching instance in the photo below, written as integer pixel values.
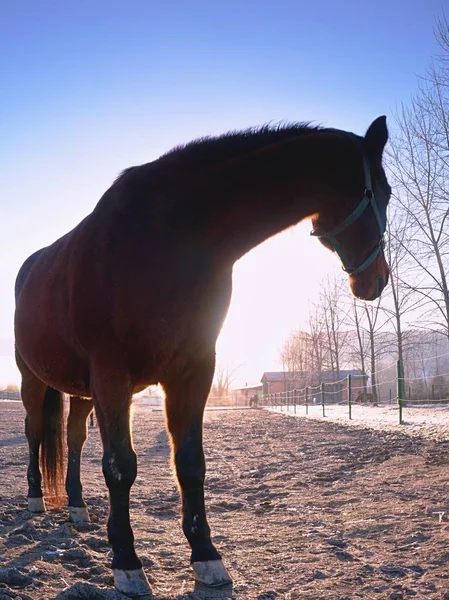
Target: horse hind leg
(33, 432)
(80, 409)
(33, 396)
(185, 401)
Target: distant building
(242, 395)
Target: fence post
(322, 399)
(307, 400)
(349, 397)
(400, 387)
(294, 400)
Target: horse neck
(242, 203)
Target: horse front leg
(80, 409)
(112, 407)
(186, 397)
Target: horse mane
(213, 149)
(244, 140)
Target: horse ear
(376, 137)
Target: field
(299, 507)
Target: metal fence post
(294, 400)
(400, 388)
(307, 400)
(349, 397)
(322, 399)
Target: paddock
(299, 507)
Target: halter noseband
(367, 200)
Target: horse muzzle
(370, 283)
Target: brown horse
(367, 400)
(137, 293)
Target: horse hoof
(36, 505)
(132, 583)
(211, 573)
(79, 514)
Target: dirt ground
(299, 508)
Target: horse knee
(120, 468)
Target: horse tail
(53, 445)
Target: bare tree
(12, 387)
(296, 352)
(420, 170)
(224, 376)
(400, 300)
(317, 335)
(372, 316)
(360, 341)
(368, 321)
(299, 358)
(333, 314)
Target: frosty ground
(305, 508)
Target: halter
(367, 200)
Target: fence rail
(9, 395)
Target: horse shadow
(92, 592)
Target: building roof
(271, 376)
(254, 386)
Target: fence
(343, 392)
(9, 395)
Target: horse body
(137, 293)
(155, 343)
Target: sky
(90, 87)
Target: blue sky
(91, 87)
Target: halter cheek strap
(330, 237)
